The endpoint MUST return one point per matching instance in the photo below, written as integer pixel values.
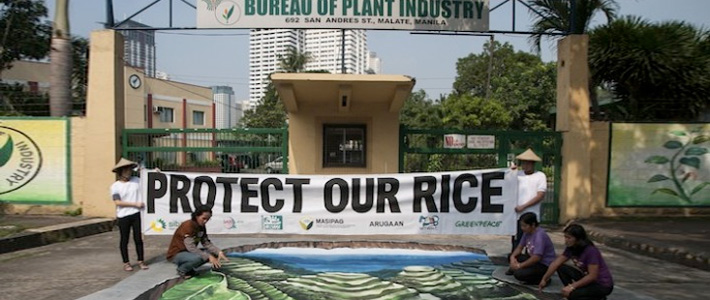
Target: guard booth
(342, 123)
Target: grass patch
(9, 229)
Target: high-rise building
(374, 63)
(324, 46)
(265, 46)
(139, 47)
(228, 112)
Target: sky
(221, 57)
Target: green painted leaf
(6, 151)
(699, 187)
(656, 159)
(678, 133)
(665, 191)
(696, 151)
(691, 161)
(658, 177)
(231, 10)
(701, 139)
(673, 145)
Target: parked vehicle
(274, 166)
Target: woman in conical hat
(532, 186)
(126, 195)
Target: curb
(37, 237)
(675, 255)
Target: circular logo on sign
(20, 159)
(227, 12)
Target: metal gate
(423, 150)
(239, 150)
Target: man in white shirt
(532, 186)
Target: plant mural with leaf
(228, 13)
(683, 165)
(6, 151)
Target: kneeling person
(534, 253)
(183, 249)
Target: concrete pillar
(573, 122)
(105, 119)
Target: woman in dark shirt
(589, 278)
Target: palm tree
(60, 93)
(294, 61)
(572, 17)
(569, 16)
(659, 71)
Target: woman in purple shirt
(589, 278)
(535, 252)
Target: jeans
(592, 291)
(124, 227)
(187, 261)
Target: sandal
(143, 266)
(127, 267)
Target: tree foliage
(518, 81)
(268, 113)
(23, 33)
(658, 71)
(559, 16)
(294, 61)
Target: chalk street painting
(345, 273)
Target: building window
(166, 114)
(198, 117)
(344, 145)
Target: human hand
(519, 208)
(567, 290)
(215, 262)
(543, 283)
(221, 256)
(140, 204)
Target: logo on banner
(158, 225)
(227, 12)
(272, 222)
(306, 223)
(229, 223)
(174, 224)
(20, 159)
(428, 222)
(386, 223)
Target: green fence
(423, 150)
(242, 150)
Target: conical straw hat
(528, 155)
(123, 163)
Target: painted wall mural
(345, 273)
(34, 161)
(659, 165)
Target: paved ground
(90, 267)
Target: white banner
(429, 15)
(466, 202)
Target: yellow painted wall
(165, 94)
(575, 196)
(104, 121)
(306, 137)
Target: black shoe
(509, 272)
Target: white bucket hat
(528, 155)
(124, 163)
